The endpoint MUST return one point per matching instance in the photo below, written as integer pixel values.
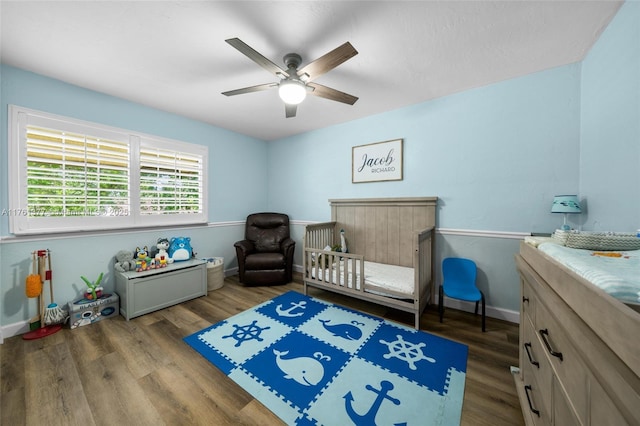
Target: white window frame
(23, 221)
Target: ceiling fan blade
(256, 57)
(251, 89)
(290, 110)
(332, 94)
(328, 62)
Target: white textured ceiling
(172, 55)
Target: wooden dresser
(578, 349)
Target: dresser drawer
(528, 303)
(563, 414)
(536, 365)
(565, 361)
(604, 411)
(533, 404)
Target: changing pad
(617, 273)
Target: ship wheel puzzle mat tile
(316, 363)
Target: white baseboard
(490, 311)
(14, 329)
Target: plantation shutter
(75, 174)
(171, 182)
(68, 175)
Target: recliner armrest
(287, 244)
(245, 246)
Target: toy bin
(86, 311)
(215, 273)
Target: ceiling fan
(295, 83)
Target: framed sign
(376, 162)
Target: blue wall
(495, 156)
(610, 126)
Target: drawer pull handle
(544, 333)
(527, 346)
(527, 388)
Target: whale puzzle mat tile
(316, 363)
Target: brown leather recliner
(265, 256)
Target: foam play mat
(316, 363)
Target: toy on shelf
(143, 261)
(162, 256)
(180, 248)
(95, 291)
(125, 261)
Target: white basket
(215, 273)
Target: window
(69, 175)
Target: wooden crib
(387, 238)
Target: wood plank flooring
(140, 372)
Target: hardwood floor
(140, 372)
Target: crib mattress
(616, 273)
(398, 280)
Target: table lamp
(566, 204)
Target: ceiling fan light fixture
(292, 92)
(294, 84)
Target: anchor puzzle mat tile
(316, 363)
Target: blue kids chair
(459, 282)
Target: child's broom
(43, 330)
(33, 288)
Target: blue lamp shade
(566, 204)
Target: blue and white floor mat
(316, 363)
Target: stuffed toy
(125, 261)
(142, 253)
(162, 256)
(94, 290)
(180, 248)
(143, 261)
